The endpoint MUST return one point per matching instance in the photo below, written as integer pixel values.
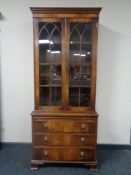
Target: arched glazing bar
(80, 35)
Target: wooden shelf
(79, 64)
(79, 86)
(44, 75)
(50, 85)
(78, 94)
(49, 64)
(75, 42)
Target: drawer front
(64, 140)
(64, 126)
(64, 154)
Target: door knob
(45, 153)
(45, 125)
(82, 125)
(45, 139)
(82, 139)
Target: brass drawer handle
(82, 139)
(83, 125)
(45, 139)
(45, 125)
(82, 154)
(45, 153)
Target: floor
(15, 160)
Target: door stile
(65, 81)
(62, 62)
(94, 58)
(36, 63)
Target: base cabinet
(64, 139)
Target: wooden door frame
(36, 59)
(93, 60)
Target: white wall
(113, 102)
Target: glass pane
(80, 63)
(55, 75)
(56, 96)
(44, 75)
(45, 96)
(50, 96)
(85, 76)
(84, 96)
(49, 42)
(74, 99)
(50, 75)
(50, 61)
(74, 75)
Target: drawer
(61, 125)
(64, 154)
(64, 140)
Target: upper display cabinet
(65, 57)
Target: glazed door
(65, 63)
(81, 63)
(48, 59)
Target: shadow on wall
(112, 82)
(1, 19)
(0, 92)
